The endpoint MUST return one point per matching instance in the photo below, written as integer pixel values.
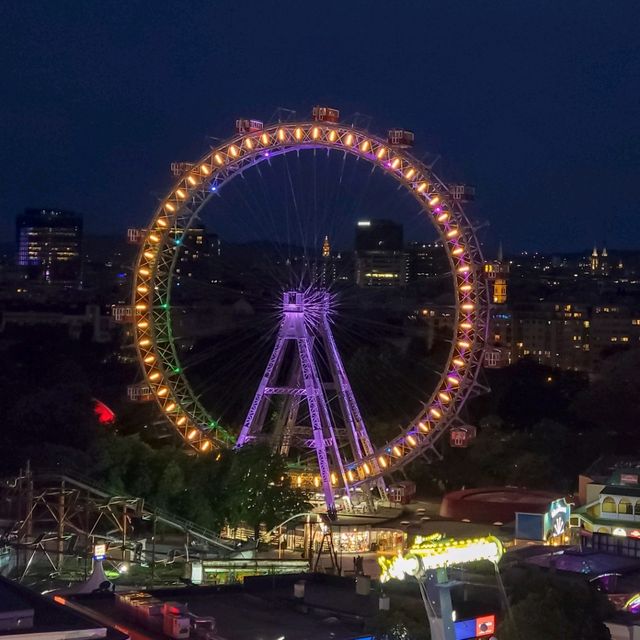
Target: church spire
(326, 248)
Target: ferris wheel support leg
(313, 389)
(260, 399)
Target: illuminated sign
(619, 531)
(437, 552)
(475, 628)
(99, 551)
(485, 626)
(556, 519)
(628, 478)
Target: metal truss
(305, 326)
(55, 516)
(201, 180)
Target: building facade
(380, 259)
(49, 245)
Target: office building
(380, 256)
(49, 243)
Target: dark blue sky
(534, 101)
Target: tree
(553, 608)
(258, 490)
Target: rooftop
(48, 616)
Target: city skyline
(537, 122)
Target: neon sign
(436, 552)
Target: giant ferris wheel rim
(199, 182)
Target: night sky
(535, 102)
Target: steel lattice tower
(305, 368)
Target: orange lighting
(205, 446)
(383, 462)
(349, 139)
(412, 441)
(381, 153)
(192, 434)
(264, 138)
(204, 169)
(315, 133)
(248, 143)
(396, 450)
(218, 158)
(233, 151)
(162, 222)
(434, 201)
(396, 163)
(365, 145)
(169, 206)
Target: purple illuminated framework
(293, 373)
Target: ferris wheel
(342, 467)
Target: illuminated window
(625, 507)
(609, 505)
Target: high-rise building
(380, 256)
(49, 243)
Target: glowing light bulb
(205, 169)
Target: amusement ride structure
(347, 461)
